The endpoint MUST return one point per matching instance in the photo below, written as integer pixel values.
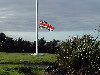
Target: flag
(44, 24)
(51, 28)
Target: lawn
(26, 58)
(21, 70)
(22, 63)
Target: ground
(19, 62)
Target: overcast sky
(64, 15)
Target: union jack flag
(44, 24)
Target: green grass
(21, 70)
(13, 63)
(26, 58)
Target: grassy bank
(26, 58)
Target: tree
(41, 45)
(52, 46)
(8, 44)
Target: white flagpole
(36, 27)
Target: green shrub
(78, 56)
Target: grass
(21, 70)
(26, 58)
(12, 63)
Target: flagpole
(36, 27)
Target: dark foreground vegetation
(8, 44)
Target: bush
(78, 56)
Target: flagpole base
(37, 54)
